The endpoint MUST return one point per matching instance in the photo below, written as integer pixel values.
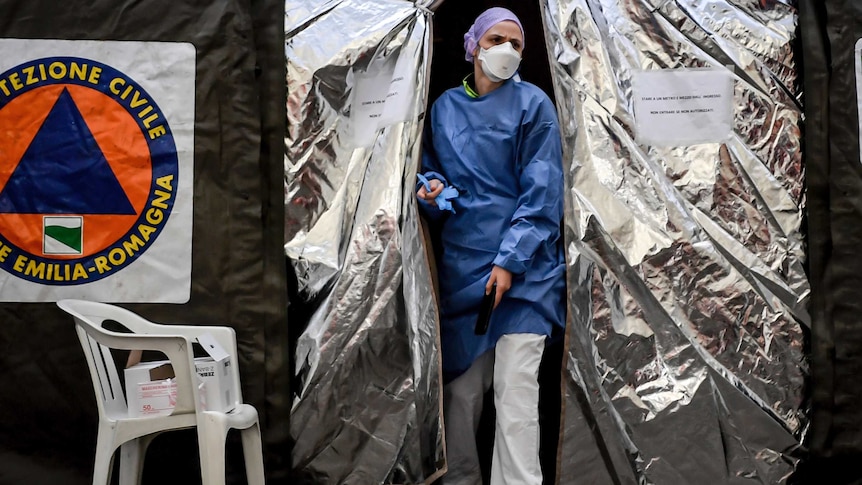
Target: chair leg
(104, 462)
(132, 454)
(211, 445)
(252, 450)
(102, 468)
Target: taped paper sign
(381, 97)
(96, 158)
(682, 106)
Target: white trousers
(513, 369)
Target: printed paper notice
(369, 100)
(682, 106)
(381, 98)
(397, 106)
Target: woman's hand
(503, 278)
(436, 188)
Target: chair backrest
(103, 370)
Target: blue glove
(444, 198)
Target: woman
(495, 140)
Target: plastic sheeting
(687, 293)
(367, 408)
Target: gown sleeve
(431, 170)
(540, 203)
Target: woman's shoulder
(449, 96)
(532, 92)
(455, 92)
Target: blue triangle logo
(64, 171)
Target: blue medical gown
(502, 152)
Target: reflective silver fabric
(369, 407)
(687, 293)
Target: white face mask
(500, 62)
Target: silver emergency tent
(685, 354)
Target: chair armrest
(225, 336)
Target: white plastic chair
(133, 435)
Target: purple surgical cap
(485, 21)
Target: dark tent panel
(830, 34)
(48, 432)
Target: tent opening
(448, 69)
